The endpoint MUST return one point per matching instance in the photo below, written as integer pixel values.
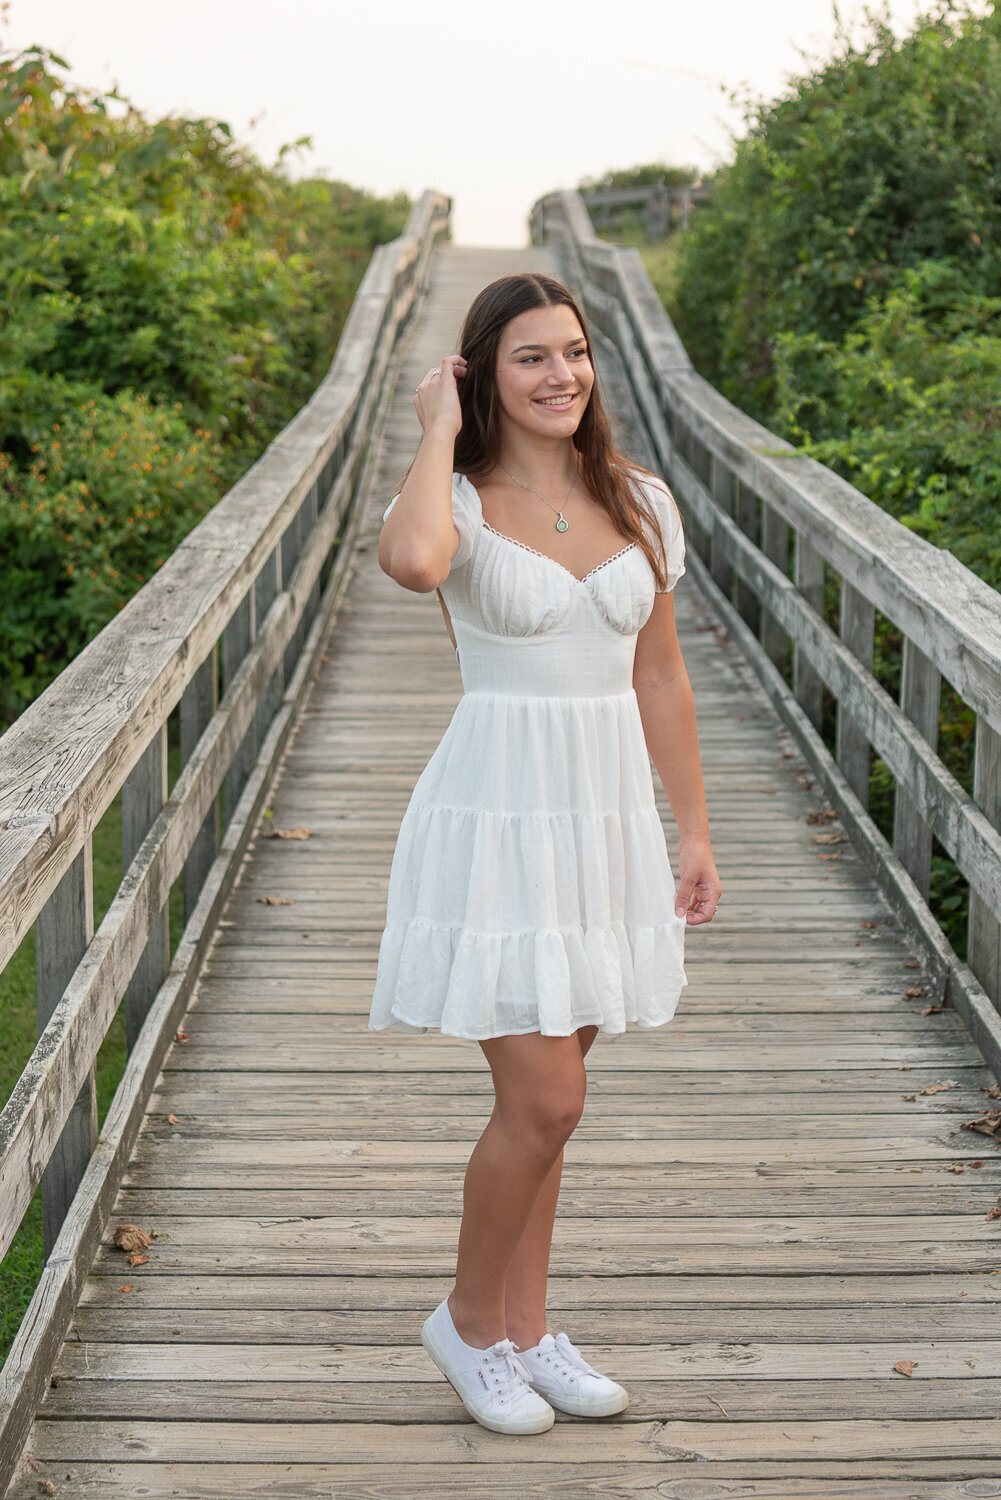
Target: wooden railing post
(722, 488)
(920, 698)
(748, 515)
(198, 703)
(808, 575)
(236, 642)
(775, 546)
(265, 590)
(288, 555)
(985, 930)
(857, 629)
(63, 931)
(144, 793)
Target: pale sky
(492, 104)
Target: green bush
(885, 159)
(170, 303)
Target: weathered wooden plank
(792, 1330)
(663, 1296)
(752, 1399)
(857, 627)
(699, 1360)
(143, 796)
(985, 918)
(828, 1479)
(63, 931)
(639, 1442)
(920, 697)
(199, 702)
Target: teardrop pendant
(562, 525)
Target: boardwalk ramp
(774, 1228)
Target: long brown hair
(605, 471)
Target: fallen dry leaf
(822, 815)
(181, 1036)
(976, 1163)
(929, 1010)
(834, 855)
(904, 1068)
(915, 992)
(911, 963)
(993, 1091)
(131, 1237)
(989, 1123)
(909, 1097)
(126, 1288)
(995, 1213)
(139, 1259)
(940, 1088)
(905, 1366)
(868, 924)
(834, 837)
(956, 1167)
(45, 1487)
(287, 833)
(276, 900)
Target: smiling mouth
(558, 403)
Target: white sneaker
(561, 1374)
(492, 1384)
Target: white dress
(530, 887)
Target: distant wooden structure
(661, 209)
(772, 1206)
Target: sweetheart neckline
(555, 561)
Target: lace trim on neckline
(555, 561)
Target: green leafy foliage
(885, 159)
(169, 304)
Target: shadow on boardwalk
(768, 1205)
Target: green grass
(22, 1265)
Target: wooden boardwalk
(768, 1206)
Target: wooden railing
(660, 208)
(226, 632)
(767, 528)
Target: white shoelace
(573, 1361)
(507, 1367)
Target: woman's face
(544, 375)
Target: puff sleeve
(663, 504)
(466, 516)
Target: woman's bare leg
(539, 1086)
(528, 1269)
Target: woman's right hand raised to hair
(436, 399)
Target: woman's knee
(540, 1087)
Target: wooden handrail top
(65, 759)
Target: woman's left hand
(699, 887)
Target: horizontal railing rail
(661, 207)
(768, 528)
(226, 633)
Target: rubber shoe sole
(584, 1408)
(515, 1426)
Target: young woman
(531, 900)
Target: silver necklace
(561, 523)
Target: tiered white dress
(530, 887)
